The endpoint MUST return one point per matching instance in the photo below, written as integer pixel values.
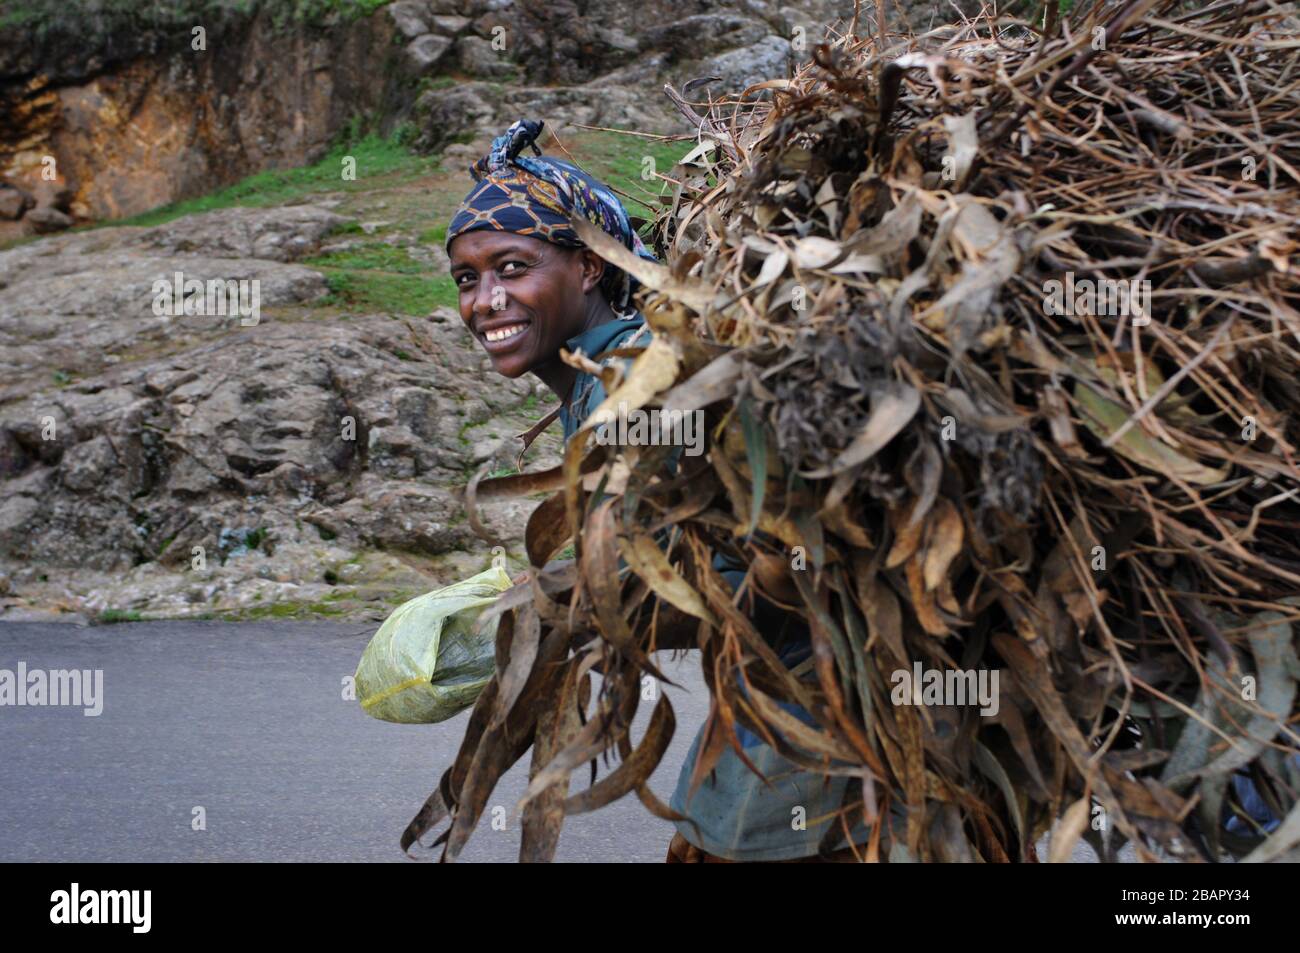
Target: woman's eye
(463, 280)
(512, 268)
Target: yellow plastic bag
(432, 656)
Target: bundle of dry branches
(997, 334)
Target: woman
(529, 287)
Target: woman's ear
(593, 269)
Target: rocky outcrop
(154, 120)
(85, 301)
(282, 452)
(104, 122)
(330, 428)
(602, 64)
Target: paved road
(248, 722)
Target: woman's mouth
(504, 338)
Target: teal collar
(595, 340)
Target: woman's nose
(485, 294)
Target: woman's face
(520, 296)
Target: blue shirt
(733, 813)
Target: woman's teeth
(500, 334)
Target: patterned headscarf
(534, 196)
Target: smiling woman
(528, 287)
(523, 298)
(527, 284)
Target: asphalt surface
(248, 722)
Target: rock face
(603, 64)
(329, 429)
(126, 119)
(13, 203)
(149, 119)
(85, 301)
(284, 454)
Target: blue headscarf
(535, 196)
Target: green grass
(114, 616)
(291, 610)
(618, 160)
(379, 256)
(434, 236)
(376, 159)
(359, 289)
(384, 277)
(530, 409)
(436, 82)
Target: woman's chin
(510, 365)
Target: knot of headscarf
(536, 195)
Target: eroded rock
(80, 300)
(212, 474)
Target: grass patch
(347, 228)
(433, 236)
(619, 161)
(376, 159)
(382, 277)
(436, 82)
(114, 616)
(375, 257)
(293, 610)
(362, 290)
